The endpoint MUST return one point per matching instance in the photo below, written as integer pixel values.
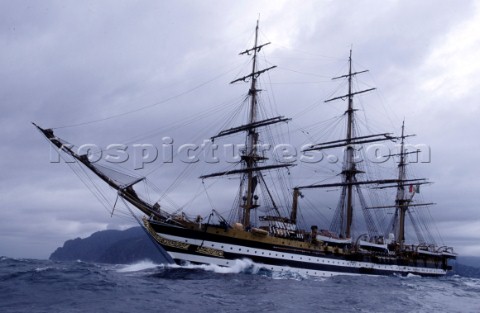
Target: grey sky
(67, 62)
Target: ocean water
(47, 286)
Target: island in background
(112, 247)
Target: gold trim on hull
(180, 245)
(164, 241)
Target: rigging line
(208, 196)
(202, 147)
(233, 114)
(146, 191)
(78, 172)
(200, 150)
(97, 187)
(295, 83)
(233, 210)
(439, 235)
(294, 58)
(245, 64)
(206, 228)
(425, 222)
(417, 230)
(272, 101)
(173, 186)
(307, 129)
(305, 52)
(380, 215)
(307, 109)
(159, 191)
(342, 85)
(113, 209)
(279, 173)
(176, 182)
(186, 121)
(317, 211)
(100, 197)
(196, 194)
(148, 106)
(333, 128)
(167, 257)
(305, 73)
(269, 199)
(382, 99)
(370, 221)
(82, 174)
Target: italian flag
(414, 188)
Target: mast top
(350, 74)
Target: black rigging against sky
(110, 72)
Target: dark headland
(111, 247)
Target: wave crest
(139, 266)
(239, 266)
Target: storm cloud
(141, 65)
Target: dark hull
(198, 246)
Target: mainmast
(344, 215)
(349, 171)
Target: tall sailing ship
(276, 241)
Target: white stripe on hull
(247, 252)
(228, 263)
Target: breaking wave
(139, 266)
(239, 266)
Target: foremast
(251, 156)
(251, 171)
(350, 170)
